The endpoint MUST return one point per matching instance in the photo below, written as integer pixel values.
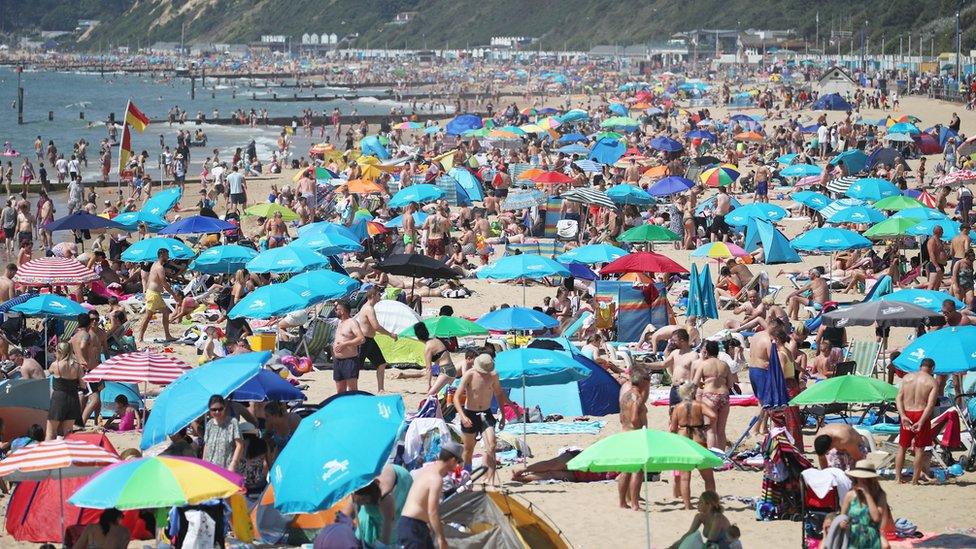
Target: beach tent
(832, 102)
(462, 123)
(33, 503)
(595, 395)
(776, 247)
(928, 144)
(371, 145)
(22, 404)
(885, 156)
(494, 520)
(944, 134)
(274, 528)
(468, 183)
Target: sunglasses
(215, 410)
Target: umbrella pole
(525, 418)
(524, 284)
(61, 504)
(647, 505)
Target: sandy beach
(587, 513)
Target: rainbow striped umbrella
(154, 482)
(719, 250)
(719, 176)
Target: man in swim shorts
(155, 285)
(370, 326)
(473, 402)
(839, 446)
(345, 350)
(916, 399)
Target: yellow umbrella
(532, 128)
(446, 159)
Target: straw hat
(864, 468)
(484, 364)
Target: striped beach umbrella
(719, 176)
(55, 271)
(958, 177)
(589, 196)
(841, 184)
(139, 367)
(59, 458)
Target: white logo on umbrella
(257, 303)
(383, 410)
(332, 467)
(918, 353)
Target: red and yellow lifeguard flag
(125, 148)
(135, 118)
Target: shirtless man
(45, 215)
(472, 400)
(760, 348)
(762, 184)
(633, 416)
(569, 210)
(409, 229)
(678, 362)
(753, 309)
(370, 326)
(29, 368)
(934, 269)
(817, 287)
(723, 205)
(916, 399)
(345, 350)
(155, 285)
(839, 445)
(438, 229)
(87, 352)
(961, 243)
(7, 288)
(98, 339)
(25, 223)
(276, 230)
(421, 513)
(740, 271)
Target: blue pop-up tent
(468, 183)
(463, 123)
(595, 395)
(832, 102)
(776, 247)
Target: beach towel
(557, 428)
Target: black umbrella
(705, 161)
(883, 313)
(416, 266)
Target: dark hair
(84, 320)
(471, 353)
(420, 330)
(371, 492)
(256, 446)
(121, 400)
(446, 310)
(108, 518)
(711, 348)
(682, 334)
(216, 399)
(446, 455)
(35, 432)
(928, 363)
(275, 408)
(821, 444)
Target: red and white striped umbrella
(928, 199)
(139, 367)
(60, 458)
(56, 271)
(958, 177)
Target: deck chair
(727, 303)
(865, 355)
(577, 324)
(316, 338)
(118, 342)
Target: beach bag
(567, 228)
(200, 532)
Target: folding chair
(316, 338)
(577, 324)
(865, 355)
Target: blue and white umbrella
(147, 250)
(287, 259)
(421, 193)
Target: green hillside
(577, 24)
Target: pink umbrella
(54, 271)
(139, 367)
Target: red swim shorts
(916, 439)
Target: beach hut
(836, 80)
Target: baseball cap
(454, 448)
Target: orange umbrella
(530, 173)
(749, 136)
(637, 278)
(363, 186)
(656, 172)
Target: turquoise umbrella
(50, 306)
(872, 189)
(416, 194)
(757, 210)
(950, 228)
(223, 259)
(829, 240)
(629, 194)
(701, 294)
(287, 259)
(953, 349)
(801, 170)
(271, 301)
(812, 199)
(131, 220)
(517, 318)
(146, 251)
(323, 285)
(335, 451)
(858, 214)
(523, 266)
(162, 202)
(329, 241)
(920, 213)
(592, 253)
(325, 227)
(188, 396)
(929, 299)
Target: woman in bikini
(276, 230)
(435, 354)
(715, 526)
(688, 419)
(715, 380)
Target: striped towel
(557, 428)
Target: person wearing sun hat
(473, 403)
(866, 507)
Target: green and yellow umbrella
(267, 209)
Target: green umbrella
(848, 389)
(267, 209)
(897, 203)
(618, 121)
(649, 233)
(448, 326)
(644, 451)
(891, 227)
(608, 135)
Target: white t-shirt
(822, 135)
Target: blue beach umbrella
(928, 299)
(757, 210)
(416, 194)
(575, 148)
(786, 158)
(618, 108)
(187, 398)
(666, 144)
(271, 301)
(162, 202)
(146, 250)
(130, 220)
(812, 199)
(588, 166)
(701, 294)
(418, 219)
(580, 271)
(223, 259)
(528, 367)
(323, 285)
(287, 259)
(462, 123)
(50, 305)
(266, 386)
(326, 227)
(197, 224)
(953, 349)
(858, 214)
(329, 242)
(829, 240)
(872, 189)
(670, 185)
(904, 127)
(81, 220)
(950, 228)
(921, 214)
(702, 134)
(608, 150)
(532, 266)
(336, 451)
(372, 146)
(592, 253)
(574, 137)
(517, 318)
(625, 193)
(801, 170)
